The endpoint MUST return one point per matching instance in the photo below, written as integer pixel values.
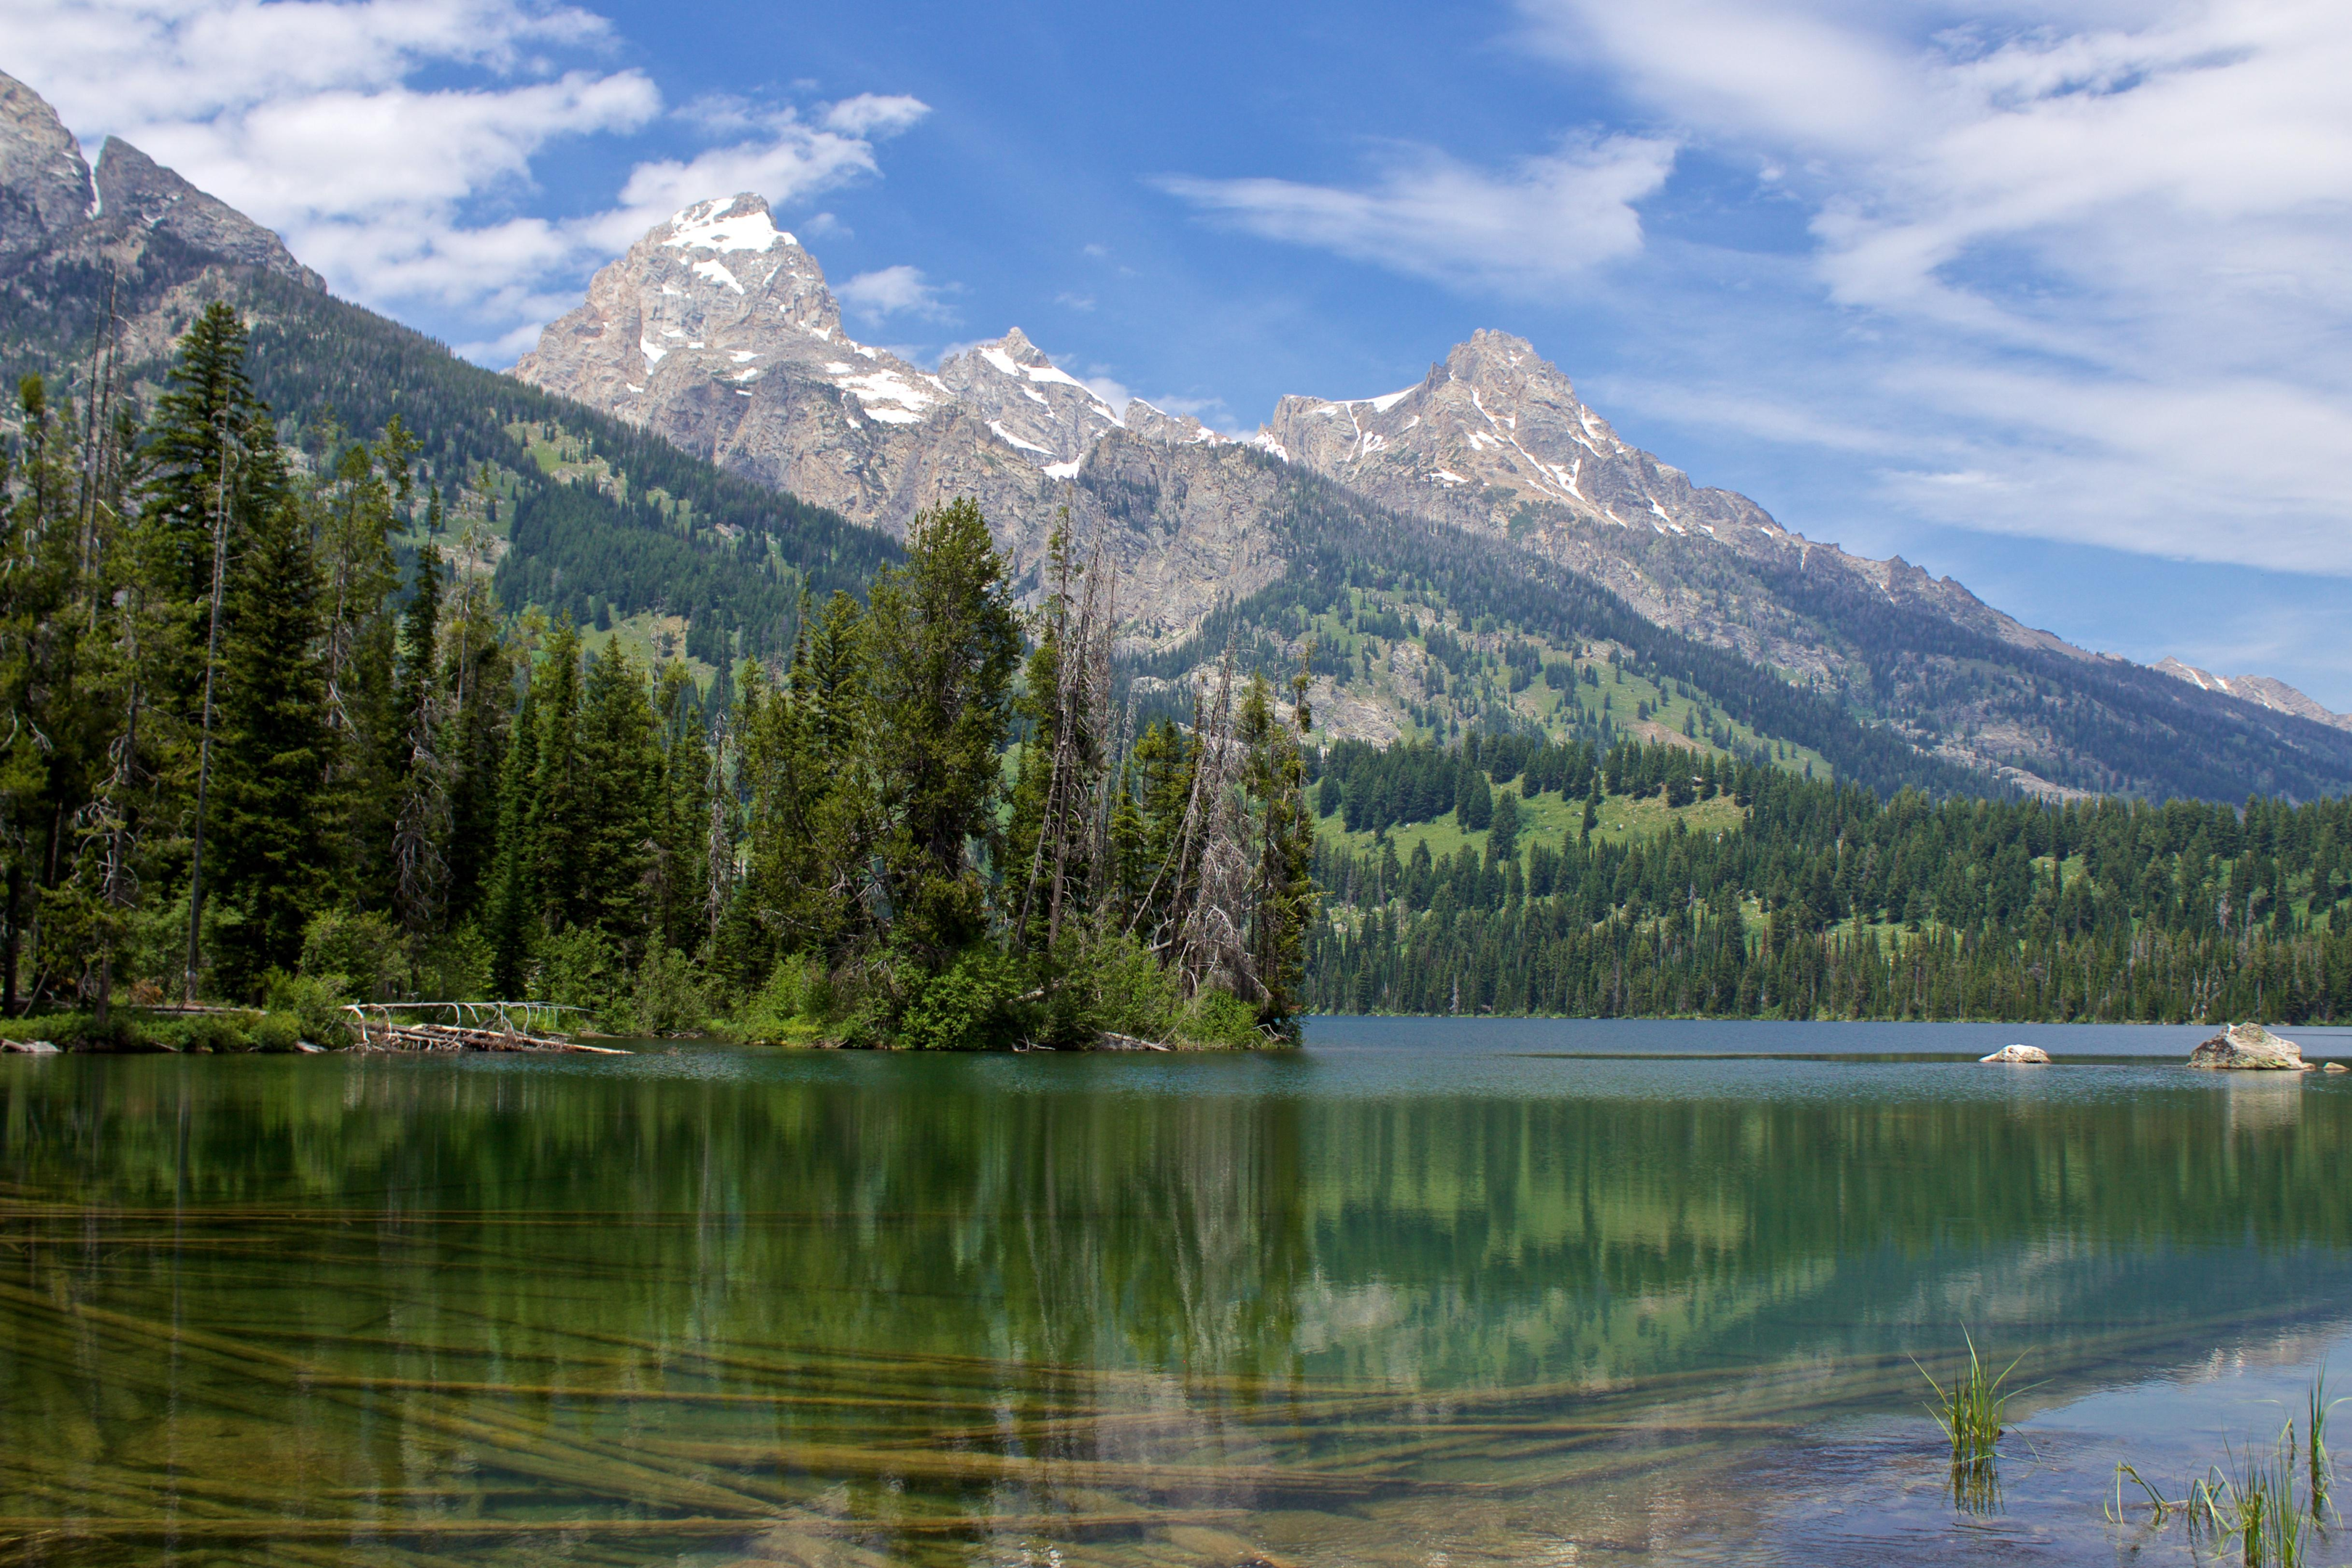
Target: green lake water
(1425, 1293)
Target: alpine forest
(289, 727)
(273, 741)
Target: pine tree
(945, 645)
(277, 740)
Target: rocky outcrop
(45, 186)
(2025, 1056)
(132, 188)
(2249, 1048)
(718, 330)
(2263, 691)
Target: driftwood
(1108, 1041)
(479, 1026)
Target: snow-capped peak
(737, 223)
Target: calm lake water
(1436, 1293)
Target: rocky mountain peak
(134, 188)
(1028, 402)
(1500, 430)
(2263, 691)
(44, 186)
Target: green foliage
(579, 966)
(668, 998)
(795, 1006)
(1215, 1018)
(278, 1032)
(356, 953)
(971, 1004)
(313, 1005)
(1826, 901)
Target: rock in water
(2249, 1048)
(2032, 1056)
(2337, 1067)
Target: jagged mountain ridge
(2263, 691)
(718, 330)
(1199, 528)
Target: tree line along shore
(251, 760)
(263, 750)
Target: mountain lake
(1426, 1291)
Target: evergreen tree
(277, 742)
(945, 645)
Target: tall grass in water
(1973, 1413)
(2260, 1507)
(2321, 1465)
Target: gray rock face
(718, 331)
(2263, 691)
(2027, 1056)
(1026, 402)
(45, 186)
(1496, 440)
(2249, 1048)
(134, 188)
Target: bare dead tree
(718, 850)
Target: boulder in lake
(2031, 1055)
(2249, 1048)
(2337, 1067)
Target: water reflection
(779, 1308)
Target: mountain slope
(701, 425)
(717, 330)
(638, 527)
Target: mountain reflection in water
(1362, 1305)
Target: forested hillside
(1811, 899)
(638, 527)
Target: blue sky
(2053, 298)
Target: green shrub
(1218, 1019)
(792, 1008)
(579, 967)
(211, 1032)
(278, 1032)
(361, 955)
(668, 999)
(456, 967)
(1110, 984)
(315, 1003)
(970, 1007)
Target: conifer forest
(251, 759)
(258, 752)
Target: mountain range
(701, 438)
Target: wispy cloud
(1515, 230)
(310, 116)
(894, 291)
(2087, 278)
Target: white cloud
(892, 292)
(1516, 232)
(2100, 257)
(307, 115)
(873, 114)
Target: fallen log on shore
(482, 1027)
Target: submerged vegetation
(2264, 1500)
(253, 749)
